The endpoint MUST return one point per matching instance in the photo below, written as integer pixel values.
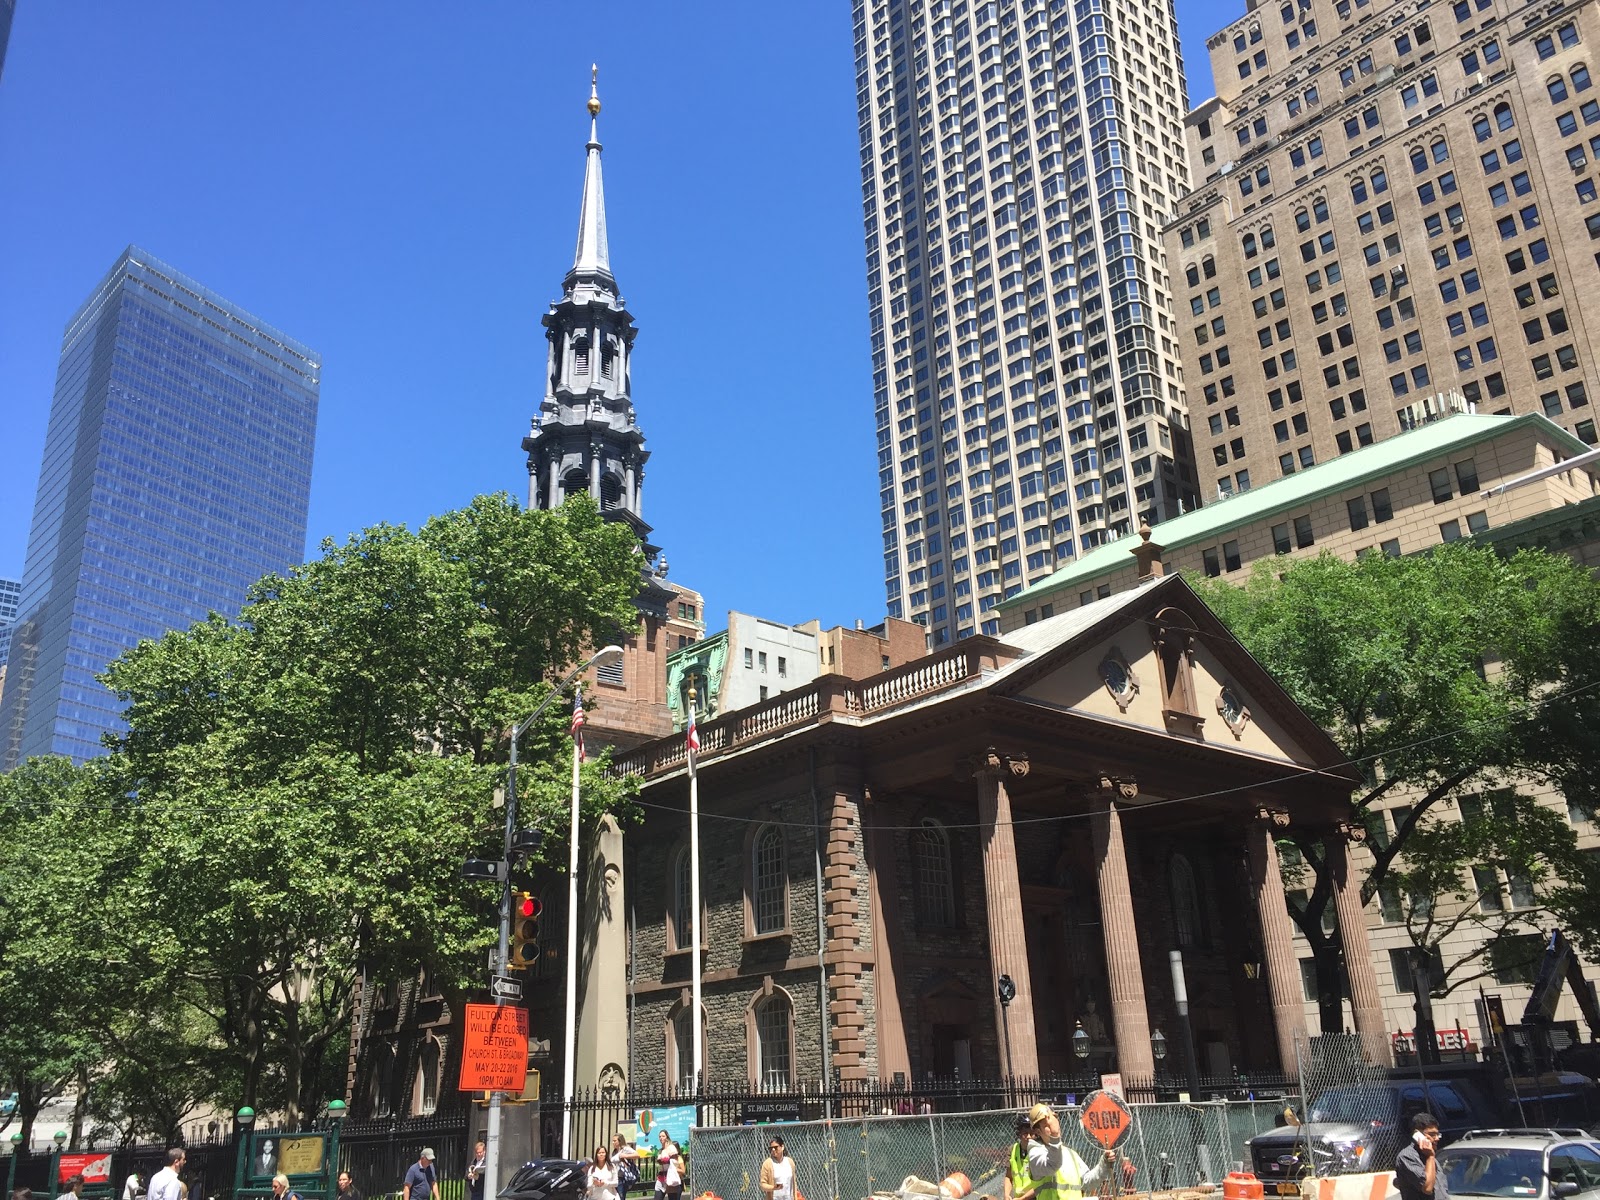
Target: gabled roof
(1377, 461)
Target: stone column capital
(1351, 831)
(1275, 818)
(992, 764)
(1111, 789)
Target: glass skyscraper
(177, 472)
(10, 593)
(1019, 159)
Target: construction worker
(1057, 1171)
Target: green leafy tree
(51, 986)
(1434, 673)
(295, 793)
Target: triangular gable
(1102, 661)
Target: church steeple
(585, 437)
(593, 257)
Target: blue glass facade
(177, 472)
(10, 593)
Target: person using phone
(1416, 1168)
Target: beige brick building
(1397, 219)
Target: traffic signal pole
(502, 962)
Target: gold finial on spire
(594, 90)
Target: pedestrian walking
(669, 1167)
(1416, 1168)
(133, 1187)
(777, 1172)
(479, 1167)
(422, 1182)
(627, 1159)
(347, 1187)
(602, 1182)
(1055, 1168)
(1018, 1183)
(280, 1189)
(74, 1188)
(165, 1184)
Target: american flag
(692, 740)
(577, 724)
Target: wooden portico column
(1364, 1002)
(1130, 1020)
(1002, 896)
(1277, 937)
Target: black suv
(1361, 1127)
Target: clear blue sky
(397, 186)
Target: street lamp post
(502, 872)
(243, 1120)
(11, 1172)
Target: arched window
(1185, 901)
(1358, 190)
(1380, 181)
(680, 1048)
(380, 1083)
(1268, 238)
(1557, 87)
(574, 483)
(1249, 244)
(1192, 274)
(608, 356)
(1439, 149)
(1173, 634)
(1419, 160)
(682, 902)
(428, 1076)
(768, 883)
(1208, 267)
(774, 1050)
(930, 850)
(1503, 118)
(1580, 78)
(1302, 220)
(1480, 128)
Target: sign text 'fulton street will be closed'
(494, 1053)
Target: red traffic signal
(525, 930)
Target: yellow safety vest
(1021, 1180)
(1068, 1181)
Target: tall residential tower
(1397, 220)
(177, 472)
(1019, 159)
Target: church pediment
(1157, 658)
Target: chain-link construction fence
(1171, 1147)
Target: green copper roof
(1295, 491)
(703, 658)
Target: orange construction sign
(494, 1050)
(1106, 1119)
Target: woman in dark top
(347, 1187)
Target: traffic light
(525, 930)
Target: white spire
(594, 255)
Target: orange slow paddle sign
(1106, 1119)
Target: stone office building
(1395, 217)
(877, 852)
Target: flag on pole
(692, 739)
(577, 724)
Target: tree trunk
(1330, 985)
(79, 1104)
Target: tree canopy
(291, 804)
(1439, 674)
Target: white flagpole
(694, 910)
(570, 1053)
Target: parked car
(1361, 1127)
(547, 1179)
(1524, 1164)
